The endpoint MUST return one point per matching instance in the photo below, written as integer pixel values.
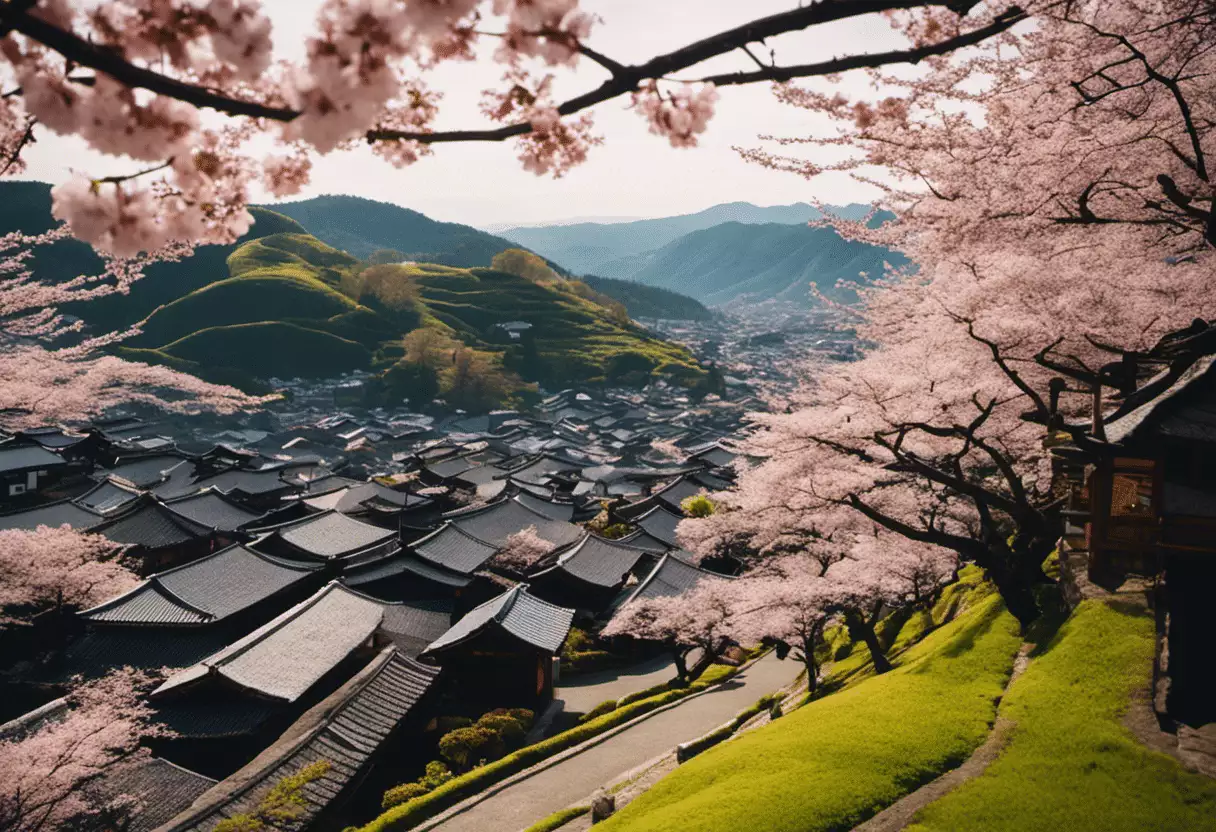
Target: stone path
(899, 814)
(527, 801)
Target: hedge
(558, 819)
(413, 812)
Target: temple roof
(204, 591)
(598, 561)
(453, 548)
(285, 657)
(517, 612)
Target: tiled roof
(28, 456)
(412, 625)
(645, 542)
(344, 730)
(402, 564)
(215, 587)
(552, 510)
(333, 535)
(147, 648)
(51, 514)
(263, 481)
(517, 612)
(107, 496)
(153, 526)
(677, 492)
(672, 576)
(354, 497)
(210, 508)
(285, 657)
(496, 522)
(598, 561)
(1185, 410)
(146, 471)
(453, 548)
(163, 790)
(661, 524)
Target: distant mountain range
(734, 251)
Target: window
(1131, 493)
(14, 490)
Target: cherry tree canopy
(51, 566)
(133, 78)
(1053, 191)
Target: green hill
(364, 227)
(649, 301)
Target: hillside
(363, 227)
(26, 207)
(290, 305)
(649, 301)
(737, 261)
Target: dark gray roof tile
(51, 514)
(517, 612)
(453, 548)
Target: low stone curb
(562, 756)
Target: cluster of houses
(327, 604)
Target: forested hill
(736, 261)
(363, 227)
(649, 301)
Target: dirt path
(899, 814)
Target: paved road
(536, 797)
(582, 693)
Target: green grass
(839, 760)
(1069, 763)
(415, 811)
(284, 350)
(558, 819)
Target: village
(302, 565)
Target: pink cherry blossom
(680, 115)
(58, 566)
(522, 550)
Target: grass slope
(839, 760)
(1069, 763)
(270, 348)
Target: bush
(465, 746)
(578, 641)
(436, 775)
(521, 715)
(605, 707)
(586, 660)
(507, 727)
(399, 794)
(558, 819)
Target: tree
(1056, 201)
(56, 567)
(131, 76)
(523, 550)
(51, 772)
(524, 264)
(698, 506)
(79, 379)
(700, 618)
(792, 604)
(282, 806)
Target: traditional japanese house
(454, 550)
(26, 470)
(347, 731)
(328, 537)
(511, 640)
(589, 574)
(1150, 500)
(163, 789)
(673, 575)
(660, 524)
(110, 496)
(160, 537)
(496, 522)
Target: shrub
(698, 505)
(399, 794)
(578, 641)
(558, 819)
(583, 661)
(436, 775)
(465, 746)
(521, 715)
(615, 531)
(507, 727)
(606, 707)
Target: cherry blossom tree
(53, 771)
(790, 603)
(185, 88)
(52, 372)
(1053, 193)
(523, 550)
(57, 567)
(698, 619)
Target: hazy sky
(632, 174)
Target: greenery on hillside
(1070, 764)
(649, 301)
(838, 760)
(294, 306)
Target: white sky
(633, 174)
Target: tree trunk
(812, 671)
(1016, 570)
(860, 628)
(680, 655)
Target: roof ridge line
(173, 596)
